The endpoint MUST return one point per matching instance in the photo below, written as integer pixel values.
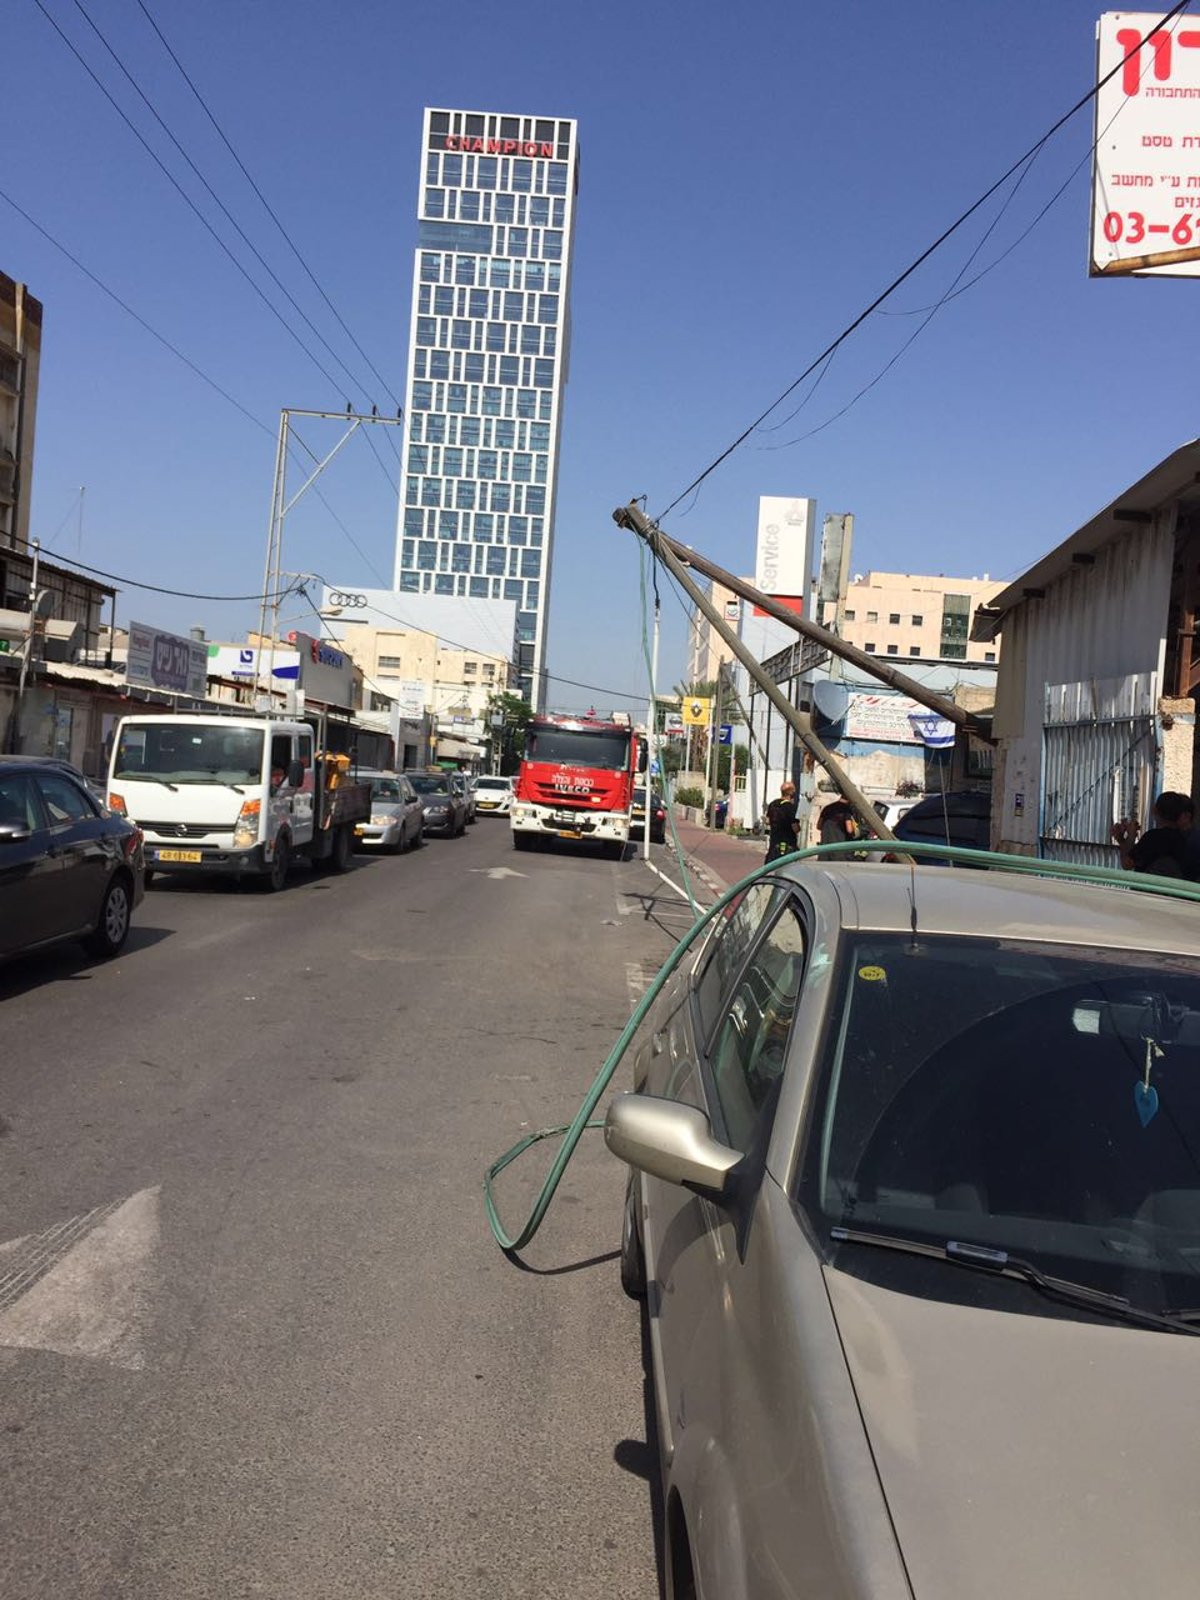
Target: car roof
(878, 897)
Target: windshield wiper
(1001, 1264)
(148, 777)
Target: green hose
(1142, 883)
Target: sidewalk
(719, 858)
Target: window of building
(478, 589)
(893, 649)
(914, 649)
(384, 662)
(848, 616)
(894, 618)
(872, 616)
(870, 649)
(989, 655)
(956, 624)
(489, 670)
(470, 668)
(918, 622)
(443, 584)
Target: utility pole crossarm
(633, 517)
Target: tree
(515, 714)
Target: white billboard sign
(159, 660)
(783, 551)
(242, 662)
(1146, 172)
(885, 718)
(410, 694)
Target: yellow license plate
(359, 827)
(180, 855)
(564, 834)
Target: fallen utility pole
(834, 643)
(800, 722)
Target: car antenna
(912, 899)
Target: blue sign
(656, 769)
(726, 734)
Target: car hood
(1023, 1455)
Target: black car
(962, 818)
(658, 817)
(445, 801)
(68, 868)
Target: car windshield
(493, 783)
(1040, 1100)
(430, 783)
(190, 753)
(567, 747)
(385, 789)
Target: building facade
(20, 354)
(918, 618)
(488, 359)
(706, 649)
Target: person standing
(782, 823)
(1166, 849)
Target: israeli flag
(934, 732)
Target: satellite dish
(831, 699)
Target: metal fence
(1100, 753)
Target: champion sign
(500, 147)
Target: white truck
(242, 796)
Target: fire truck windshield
(567, 747)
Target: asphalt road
(255, 1338)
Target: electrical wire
(204, 106)
(191, 204)
(154, 588)
(919, 261)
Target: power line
(924, 256)
(266, 204)
(175, 184)
(154, 588)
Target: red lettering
(493, 147)
(1129, 40)
(509, 146)
(548, 150)
(451, 142)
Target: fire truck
(576, 781)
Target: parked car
(444, 801)
(892, 809)
(963, 817)
(96, 790)
(465, 783)
(493, 795)
(658, 816)
(397, 813)
(914, 1193)
(68, 868)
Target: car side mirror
(668, 1140)
(295, 774)
(14, 832)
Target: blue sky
(751, 177)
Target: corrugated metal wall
(1099, 762)
(1096, 623)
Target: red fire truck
(576, 781)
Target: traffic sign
(726, 734)
(697, 712)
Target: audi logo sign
(346, 600)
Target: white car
(892, 809)
(493, 795)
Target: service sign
(159, 660)
(1146, 174)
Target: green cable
(1140, 883)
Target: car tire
(419, 837)
(461, 829)
(281, 865)
(148, 877)
(112, 925)
(633, 1260)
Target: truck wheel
(342, 855)
(281, 865)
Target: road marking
(499, 872)
(82, 1288)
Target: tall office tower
(487, 367)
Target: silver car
(397, 820)
(915, 1195)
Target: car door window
(746, 1060)
(65, 802)
(18, 803)
(742, 920)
